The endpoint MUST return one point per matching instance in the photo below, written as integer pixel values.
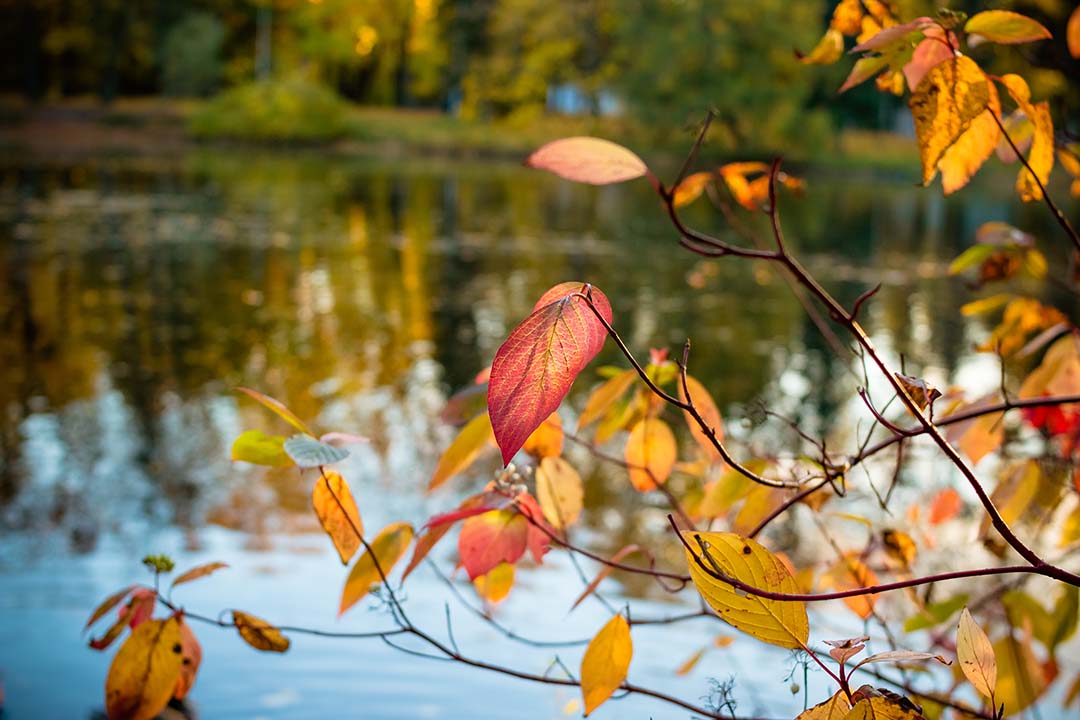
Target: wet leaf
(200, 571)
(491, 538)
(278, 408)
(258, 633)
(337, 512)
(944, 105)
(388, 547)
(546, 440)
(588, 160)
(307, 452)
(606, 662)
(782, 623)
(559, 491)
(1002, 26)
(258, 448)
(534, 369)
(144, 673)
(976, 655)
(650, 451)
(706, 407)
(463, 450)
(495, 586)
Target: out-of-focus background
(323, 200)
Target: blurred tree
(191, 55)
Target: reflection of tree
(135, 296)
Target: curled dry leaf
(145, 671)
(197, 572)
(338, 514)
(976, 655)
(606, 662)
(108, 604)
(588, 160)
(534, 369)
(782, 623)
(258, 633)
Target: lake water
(136, 293)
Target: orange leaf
(108, 604)
(607, 570)
(606, 662)
(1072, 33)
(191, 651)
(945, 506)
(199, 572)
(424, 544)
(850, 573)
(1041, 157)
(278, 408)
(546, 440)
(494, 537)
(463, 450)
(588, 160)
(337, 512)
(534, 369)
(650, 452)
(606, 395)
(708, 411)
(388, 547)
(258, 633)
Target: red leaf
(537, 541)
(946, 505)
(534, 369)
(588, 160)
(490, 539)
(474, 505)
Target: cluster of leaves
(517, 406)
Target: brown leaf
(259, 634)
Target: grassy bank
(155, 125)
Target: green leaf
(258, 448)
(308, 452)
(935, 613)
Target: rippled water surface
(136, 293)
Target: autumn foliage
(1025, 502)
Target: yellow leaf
(835, 708)
(474, 437)
(1070, 529)
(1041, 157)
(337, 511)
(900, 546)
(144, 672)
(1021, 680)
(976, 655)
(828, 50)
(686, 192)
(1069, 162)
(985, 305)
(650, 451)
(782, 623)
(961, 161)
(691, 662)
(847, 17)
(606, 661)
(603, 397)
(1002, 26)
(943, 106)
(496, 584)
(546, 440)
(258, 448)
(559, 491)
(979, 436)
(881, 708)
(706, 407)
(760, 501)
(258, 633)
(388, 546)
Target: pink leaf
(491, 539)
(588, 160)
(933, 50)
(892, 34)
(535, 367)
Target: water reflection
(137, 292)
